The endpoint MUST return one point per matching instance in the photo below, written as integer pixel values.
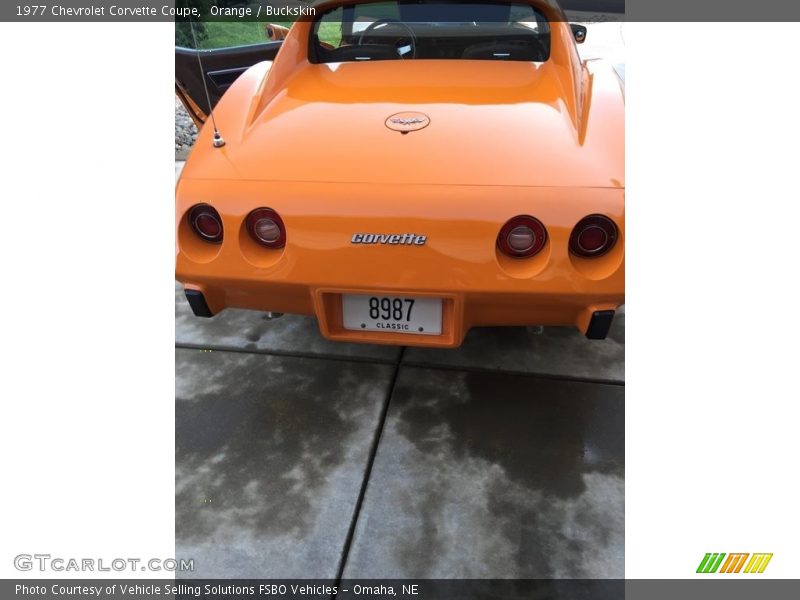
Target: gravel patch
(185, 131)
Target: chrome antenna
(218, 141)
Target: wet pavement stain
(262, 441)
(492, 475)
(539, 431)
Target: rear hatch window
(413, 30)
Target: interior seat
(362, 52)
(525, 50)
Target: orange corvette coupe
(405, 170)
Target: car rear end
(421, 266)
(406, 201)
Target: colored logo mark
(713, 563)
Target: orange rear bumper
(459, 263)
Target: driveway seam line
(411, 364)
(286, 353)
(373, 451)
(484, 370)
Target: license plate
(392, 314)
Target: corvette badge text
(46, 562)
(391, 239)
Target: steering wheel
(390, 22)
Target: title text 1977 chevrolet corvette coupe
(405, 170)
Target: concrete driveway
(300, 458)
(297, 457)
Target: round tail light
(593, 236)
(522, 237)
(266, 227)
(206, 222)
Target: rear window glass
(413, 30)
